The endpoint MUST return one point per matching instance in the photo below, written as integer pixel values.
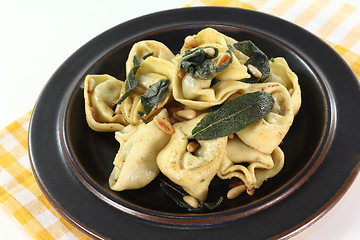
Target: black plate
(72, 163)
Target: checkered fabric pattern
(336, 23)
(19, 193)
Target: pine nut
(231, 136)
(223, 59)
(191, 42)
(164, 125)
(192, 146)
(193, 202)
(91, 85)
(186, 114)
(236, 191)
(210, 51)
(177, 118)
(235, 182)
(254, 71)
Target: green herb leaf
(141, 114)
(234, 116)
(198, 63)
(130, 82)
(148, 55)
(176, 193)
(256, 57)
(251, 80)
(154, 94)
(211, 205)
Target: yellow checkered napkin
(19, 193)
(337, 23)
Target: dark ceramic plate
(72, 163)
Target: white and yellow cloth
(336, 23)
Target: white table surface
(37, 36)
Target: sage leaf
(130, 82)
(211, 205)
(234, 116)
(176, 193)
(251, 80)
(141, 114)
(256, 57)
(148, 55)
(154, 94)
(198, 63)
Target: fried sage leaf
(256, 57)
(141, 114)
(148, 55)
(130, 82)
(154, 94)
(198, 63)
(234, 116)
(176, 193)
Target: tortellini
(258, 166)
(155, 67)
(267, 133)
(148, 48)
(193, 171)
(281, 73)
(154, 111)
(135, 163)
(99, 93)
(146, 76)
(201, 94)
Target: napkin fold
(336, 23)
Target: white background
(38, 36)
